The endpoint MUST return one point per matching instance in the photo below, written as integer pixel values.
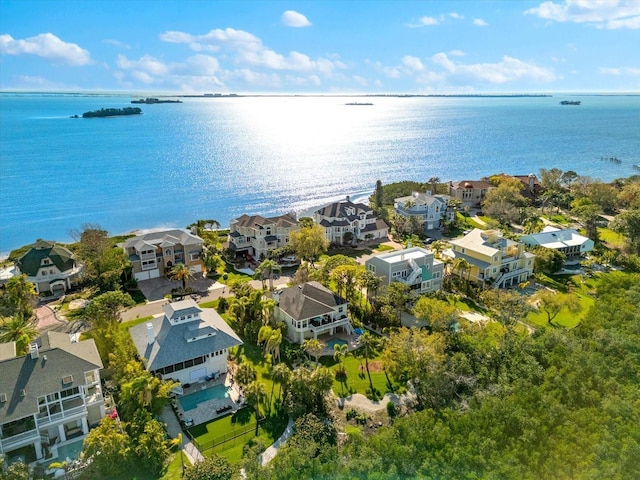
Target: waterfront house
(49, 266)
(470, 192)
(49, 397)
(254, 236)
(310, 310)
(567, 240)
(432, 211)
(414, 266)
(494, 261)
(346, 223)
(187, 344)
(154, 254)
(531, 187)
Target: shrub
(391, 409)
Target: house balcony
(149, 256)
(324, 325)
(16, 441)
(68, 414)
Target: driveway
(157, 288)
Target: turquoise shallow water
(220, 158)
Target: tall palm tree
(434, 181)
(21, 295)
(340, 351)
(181, 272)
(280, 373)
(255, 394)
(371, 282)
(461, 265)
(438, 247)
(20, 330)
(533, 223)
(245, 374)
(273, 344)
(368, 343)
(313, 347)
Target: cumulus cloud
(291, 18)
(508, 70)
(48, 47)
(456, 16)
(478, 22)
(424, 22)
(247, 50)
(611, 14)
(412, 63)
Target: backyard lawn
(611, 238)
(566, 283)
(357, 380)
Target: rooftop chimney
(33, 350)
(150, 335)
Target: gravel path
(357, 400)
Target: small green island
(110, 112)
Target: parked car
(428, 241)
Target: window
(43, 273)
(371, 268)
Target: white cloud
(47, 46)
(456, 16)
(457, 53)
(610, 14)
(424, 22)
(631, 71)
(412, 63)
(116, 43)
(246, 50)
(291, 18)
(478, 22)
(146, 64)
(508, 70)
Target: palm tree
(268, 307)
(461, 265)
(371, 282)
(368, 344)
(273, 344)
(181, 272)
(438, 247)
(434, 181)
(20, 330)
(533, 223)
(245, 374)
(21, 295)
(280, 373)
(340, 351)
(313, 347)
(254, 395)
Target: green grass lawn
(357, 380)
(467, 306)
(468, 222)
(611, 238)
(382, 248)
(566, 283)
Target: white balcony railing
(71, 412)
(9, 442)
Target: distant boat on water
(358, 103)
(570, 102)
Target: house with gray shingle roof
(49, 266)
(310, 310)
(154, 254)
(346, 222)
(430, 210)
(568, 241)
(255, 236)
(49, 396)
(186, 344)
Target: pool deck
(209, 409)
(352, 340)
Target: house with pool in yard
(190, 345)
(310, 310)
(49, 398)
(414, 266)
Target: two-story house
(310, 310)
(431, 210)
(346, 222)
(414, 266)
(254, 236)
(187, 344)
(154, 254)
(49, 266)
(50, 397)
(492, 260)
(568, 241)
(470, 192)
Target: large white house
(49, 266)
(255, 236)
(430, 210)
(187, 344)
(568, 241)
(154, 254)
(310, 310)
(49, 397)
(346, 222)
(415, 267)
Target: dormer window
(167, 252)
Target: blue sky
(421, 47)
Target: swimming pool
(189, 402)
(69, 451)
(335, 341)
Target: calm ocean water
(220, 158)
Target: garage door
(196, 269)
(141, 276)
(155, 273)
(197, 374)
